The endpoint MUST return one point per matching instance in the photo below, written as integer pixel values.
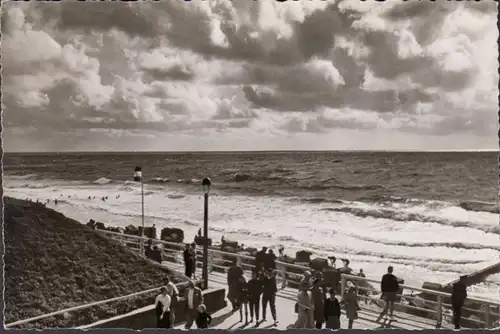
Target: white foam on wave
(102, 180)
(421, 251)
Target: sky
(250, 75)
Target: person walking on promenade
(318, 297)
(162, 307)
(332, 311)
(204, 319)
(305, 305)
(233, 277)
(188, 261)
(269, 290)
(389, 286)
(254, 289)
(242, 298)
(458, 297)
(194, 298)
(173, 293)
(351, 305)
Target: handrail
(81, 307)
(248, 257)
(433, 292)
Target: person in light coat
(305, 305)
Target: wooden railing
(486, 317)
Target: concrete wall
(214, 299)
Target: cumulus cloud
(247, 68)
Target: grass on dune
(53, 262)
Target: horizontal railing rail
(82, 307)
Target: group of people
(248, 296)
(167, 302)
(318, 305)
(265, 259)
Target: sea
(433, 216)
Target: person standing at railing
(162, 305)
(458, 297)
(254, 290)
(173, 292)
(305, 307)
(194, 298)
(193, 252)
(260, 259)
(270, 260)
(318, 297)
(269, 290)
(188, 261)
(389, 287)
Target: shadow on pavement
(220, 319)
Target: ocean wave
(23, 177)
(479, 206)
(102, 180)
(159, 180)
(460, 245)
(403, 216)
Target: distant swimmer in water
(117, 196)
(55, 201)
(90, 197)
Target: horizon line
(256, 151)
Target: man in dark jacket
(458, 297)
(254, 287)
(269, 290)
(270, 260)
(260, 259)
(389, 287)
(188, 261)
(332, 311)
(318, 297)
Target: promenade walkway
(285, 302)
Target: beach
(433, 216)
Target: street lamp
(206, 189)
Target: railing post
(487, 317)
(238, 260)
(121, 239)
(342, 286)
(439, 311)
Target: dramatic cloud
(250, 75)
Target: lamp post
(138, 178)
(206, 190)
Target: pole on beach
(206, 189)
(138, 178)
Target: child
(204, 319)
